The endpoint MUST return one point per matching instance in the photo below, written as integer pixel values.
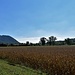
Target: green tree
(51, 40)
(68, 42)
(43, 40)
(27, 43)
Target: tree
(2, 44)
(51, 40)
(68, 41)
(43, 40)
(27, 43)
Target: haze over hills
(6, 39)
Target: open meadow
(52, 60)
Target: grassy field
(7, 69)
(52, 60)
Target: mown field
(52, 60)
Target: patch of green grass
(7, 69)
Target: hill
(5, 39)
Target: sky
(29, 20)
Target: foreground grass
(7, 69)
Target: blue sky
(32, 19)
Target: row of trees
(52, 41)
(70, 41)
(49, 41)
(44, 41)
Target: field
(52, 60)
(7, 69)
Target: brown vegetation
(57, 60)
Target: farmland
(52, 60)
(7, 69)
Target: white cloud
(30, 39)
(35, 39)
(43, 33)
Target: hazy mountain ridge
(6, 39)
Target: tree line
(52, 40)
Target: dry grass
(57, 60)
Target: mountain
(5, 39)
